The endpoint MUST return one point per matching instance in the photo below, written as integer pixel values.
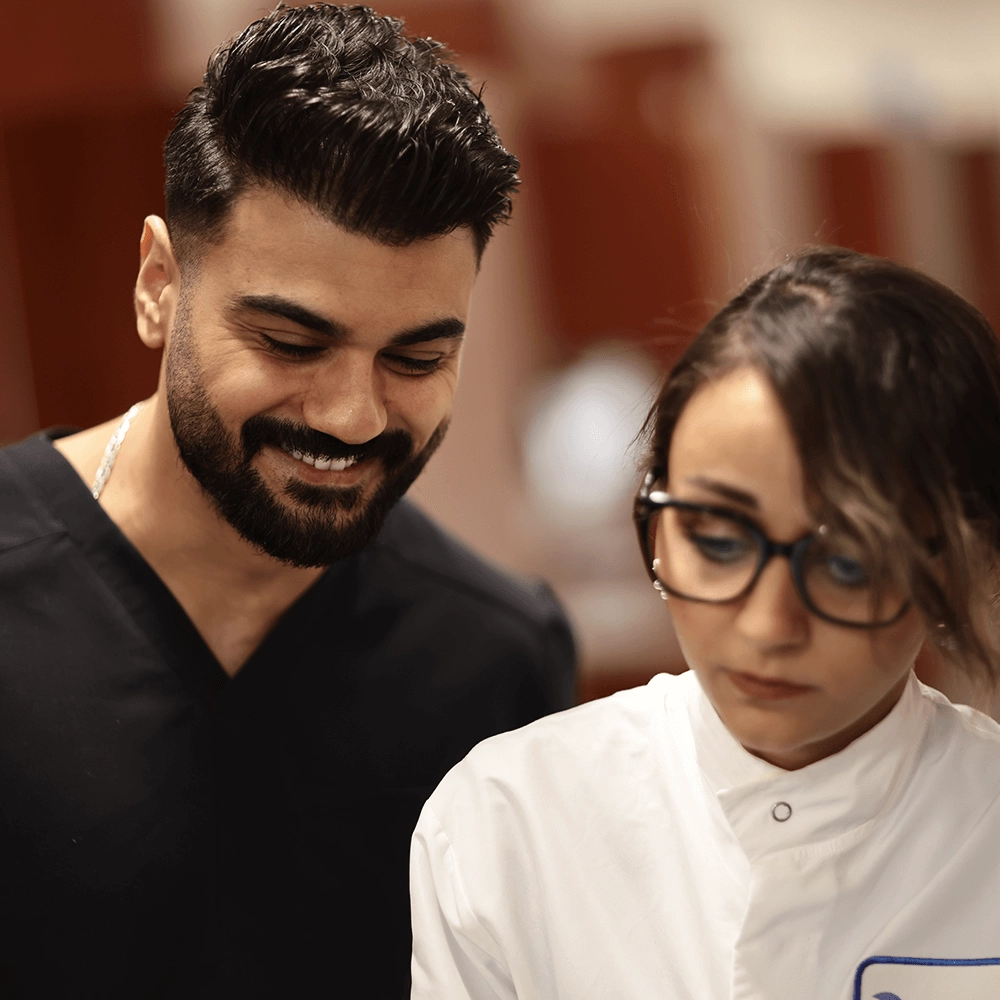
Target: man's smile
(321, 470)
(320, 462)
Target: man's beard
(318, 525)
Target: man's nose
(346, 398)
(773, 614)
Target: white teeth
(323, 464)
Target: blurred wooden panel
(472, 29)
(854, 198)
(81, 183)
(81, 133)
(619, 204)
(18, 412)
(65, 52)
(979, 180)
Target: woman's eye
(412, 366)
(721, 549)
(846, 572)
(290, 350)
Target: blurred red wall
(619, 205)
(81, 127)
(979, 179)
(619, 200)
(473, 29)
(854, 196)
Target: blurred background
(671, 149)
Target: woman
(797, 816)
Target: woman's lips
(763, 689)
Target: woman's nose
(773, 614)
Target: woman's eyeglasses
(699, 552)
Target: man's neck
(233, 593)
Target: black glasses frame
(648, 501)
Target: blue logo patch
(890, 977)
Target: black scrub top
(168, 832)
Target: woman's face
(791, 687)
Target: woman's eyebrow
(729, 492)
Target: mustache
(394, 447)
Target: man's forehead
(263, 220)
(277, 250)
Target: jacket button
(781, 811)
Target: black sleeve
(556, 665)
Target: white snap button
(781, 811)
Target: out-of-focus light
(899, 95)
(579, 454)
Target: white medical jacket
(631, 848)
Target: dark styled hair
(380, 132)
(891, 386)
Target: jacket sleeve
(454, 957)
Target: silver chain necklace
(111, 452)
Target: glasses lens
(707, 557)
(841, 582)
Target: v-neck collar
(137, 585)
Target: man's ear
(158, 285)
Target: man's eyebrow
(275, 305)
(439, 329)
(741, 497)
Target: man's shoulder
(418, 547)
(24, 514)
(488, 651)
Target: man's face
(310, 373)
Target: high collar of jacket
(770, 809)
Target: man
(234, 663)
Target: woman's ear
(157, 285)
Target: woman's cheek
(696, 631)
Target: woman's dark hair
(380, 132)
(891, 386)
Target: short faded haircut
(337, 107)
